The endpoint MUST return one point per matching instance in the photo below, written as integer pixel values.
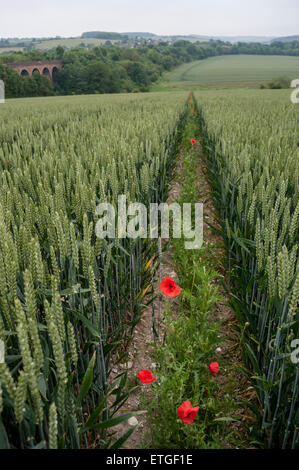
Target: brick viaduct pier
(47, 68)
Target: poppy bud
(214, 368)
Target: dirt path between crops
(141, 351)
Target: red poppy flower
(169, 287)
(214, 368)
(193, 141)
(189, 101)
(192, 110)
(186, 413)
(146, 377)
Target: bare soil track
(141, 350)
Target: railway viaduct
(47, 68)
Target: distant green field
(8, 50)
(52, 43)
(236, 68)
(69, 43)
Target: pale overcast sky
(29, 18)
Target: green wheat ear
(295, 296)
(72, 343)
(21, 396)
(31, 316)
(53, 427)
(283, 272)
(8, 380)
(30, 367)
(74, 250)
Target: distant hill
(139, 35)
(102, 35)
(192, 37)
(232, 39)
(286, 39)
(112, 35)
(187, 37)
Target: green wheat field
(239, 68)
(68, 299)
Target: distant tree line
(113, 69)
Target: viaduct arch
(47, 68)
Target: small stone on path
(133, 421)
